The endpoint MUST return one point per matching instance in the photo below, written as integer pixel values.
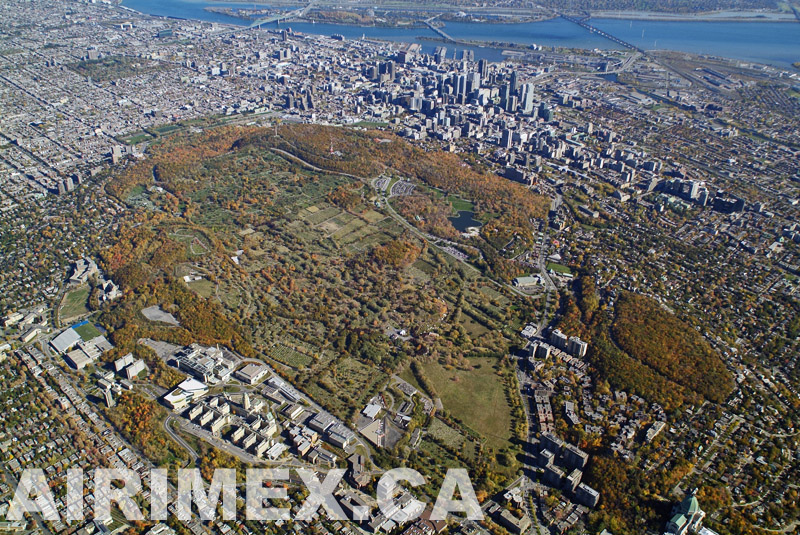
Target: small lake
(464, 220)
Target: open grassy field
(494, 295)
(136, 138)
(166, 129)
(459, 204)
(473, 327)
(476, 396)
(372, 216)
(425, 267)
(321, 214)
(88, 331)
(138, 190)
(74, 303)
(372, 124)
(438, 457)
(351, 226)
(407, 376)
(558, 268)
(203, 287)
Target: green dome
(690, 505)
(678, 521)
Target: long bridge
(284, 16)
(444, 35)
(583, 24)
(438, 30)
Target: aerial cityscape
(400, 267)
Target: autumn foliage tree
(397, 253)
(669, 346)
(139, 420)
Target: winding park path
(433, 240)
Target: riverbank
(418, 21)
(417, 25)
(318, 18)
(712, 16)
(239, 13)
(772, 43)
(498, 14)
(366, 18)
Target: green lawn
(425, 267)
(473, 327)
(559, 268)
(459, 204)
(136, 191)
(135, 139)
(88, 331)
(196, 242)
(494, 295)
(167, 128)
(115, 67)
(204, 288)
(74, 303)
(476, 397)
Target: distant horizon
(763, 41)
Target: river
(773, 43)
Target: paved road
(550, 286)
(177, 438)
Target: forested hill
(368, 154)
(505, 208)
(640, 347)
(661, 341)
